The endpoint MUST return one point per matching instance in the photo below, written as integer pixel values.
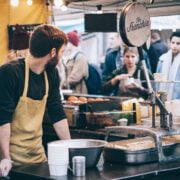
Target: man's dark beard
(52, 63)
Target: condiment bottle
(79, 165)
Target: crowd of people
(121, 63)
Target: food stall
(95, 113)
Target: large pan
(139, 155)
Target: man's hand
(5, 162)
(5, 167)
(62, 129)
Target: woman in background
(126, 81)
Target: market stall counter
(104, 171)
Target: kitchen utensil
(91, 149)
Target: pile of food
(99, 120)
(142, 143)
(81, 100)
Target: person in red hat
(75, 65)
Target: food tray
(126, 154)
(98, 120)
(100, 106)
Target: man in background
(75, 65)
(113, 58)
(157, 48)
(169, 66)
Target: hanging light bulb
(29, 2)
(64, 8)
(14, 3)
(174, 29)
(58, 3)
(99, 9)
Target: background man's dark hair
(177, 34)
(155, 35)
(44, 38)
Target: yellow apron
(26, 127)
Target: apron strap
(27, 80)
(46, 84)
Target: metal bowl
(90, 148)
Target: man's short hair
(44, 38)
(155, 35)
(177, 34)
(131, 49)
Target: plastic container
(122, 122)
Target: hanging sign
(134, 24)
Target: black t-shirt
(12, 85)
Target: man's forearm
(4, 141)
(62, 129)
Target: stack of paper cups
(58, 159)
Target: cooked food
(83, 99)
(99, 99)
(142, 143)
(72, 98)
(106, 99)
(132, 145)
(91, 100)
(172, 139)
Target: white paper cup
(159, 77)
(58, 154)
(128, 81)
(58, 170)
(57, 162)
(122, 122)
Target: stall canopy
(156, 7)
(73, 18)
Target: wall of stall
(37, 13)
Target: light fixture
(99, 9)
(64, 8)
(151, 1)
(58, 3)
(174, 29)
(29, 2)
(14, 3)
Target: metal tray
(137, 156)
